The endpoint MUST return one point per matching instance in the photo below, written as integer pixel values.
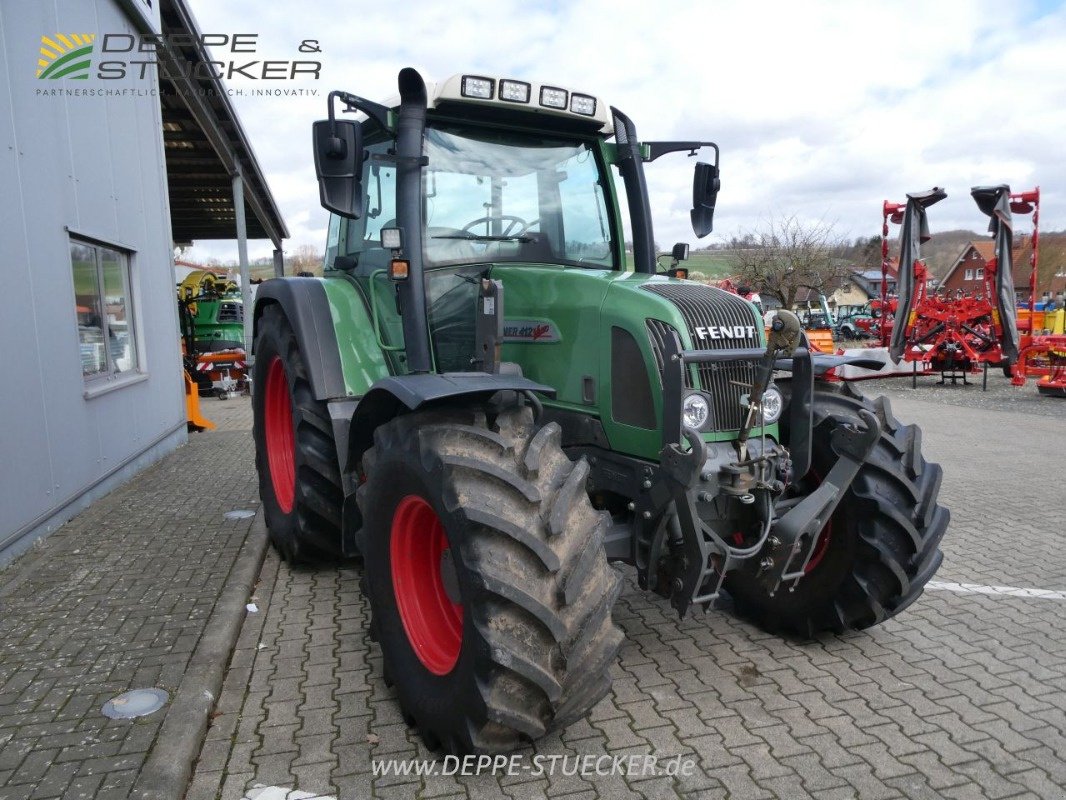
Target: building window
(969, 274)
(103, 308)
(980, 273)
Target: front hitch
(701, 557)
(809, 517)
(682, 472)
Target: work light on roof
(514, 91)
(481, 88)
(550, 97)
(583, 104)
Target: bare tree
(786, 255)
(305, 258)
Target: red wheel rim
(280, 441)
(433, 623)
(827, 533)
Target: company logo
(65, 55)
(121, 55)
(726, 332)
(530, 330)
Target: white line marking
(281, 793)
(1008, 591)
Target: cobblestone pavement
(961, 696)
(114, 600)
(1000, 395)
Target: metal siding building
(91, 171)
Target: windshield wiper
(483, 237)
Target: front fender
(398, 394)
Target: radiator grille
(708, 307)
(231, 312)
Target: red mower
(1042, 343)
(956, 333)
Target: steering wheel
(511, 219)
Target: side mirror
(705, 186)
(680, 252)
(338, 147)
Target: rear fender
(307, 309)
(334, 331)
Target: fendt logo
(65, 55)
(726, 332)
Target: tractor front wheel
(489, 588)
(880, 547)
(295, 456)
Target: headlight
(772, 405)
(695, 411)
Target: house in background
(858, 289)
(863, 286)
(968, 271)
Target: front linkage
(723, 507)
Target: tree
(786, 256)
(305, 258)
(866, 252)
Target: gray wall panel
(95, 165)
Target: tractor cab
(508, 175)
(491, 197)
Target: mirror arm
(376, 111)
(657, 149)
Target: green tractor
(489, 398)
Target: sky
(822, 109)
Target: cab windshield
(496, 196)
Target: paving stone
(115, 599)
(962, 696)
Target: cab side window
(360, 239)
(333, 238)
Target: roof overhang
(206, 146)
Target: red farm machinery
(955, 332)
(1041, 333)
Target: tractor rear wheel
(295, 456)
(489, 587)
(880, 547)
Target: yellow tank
(1055, 320)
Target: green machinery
(211, 313)
(211, 317)
(484, 402)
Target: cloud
(822, 109)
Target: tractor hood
(708, 318)
(703, 318)
(597, 336)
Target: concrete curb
(167, 771)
